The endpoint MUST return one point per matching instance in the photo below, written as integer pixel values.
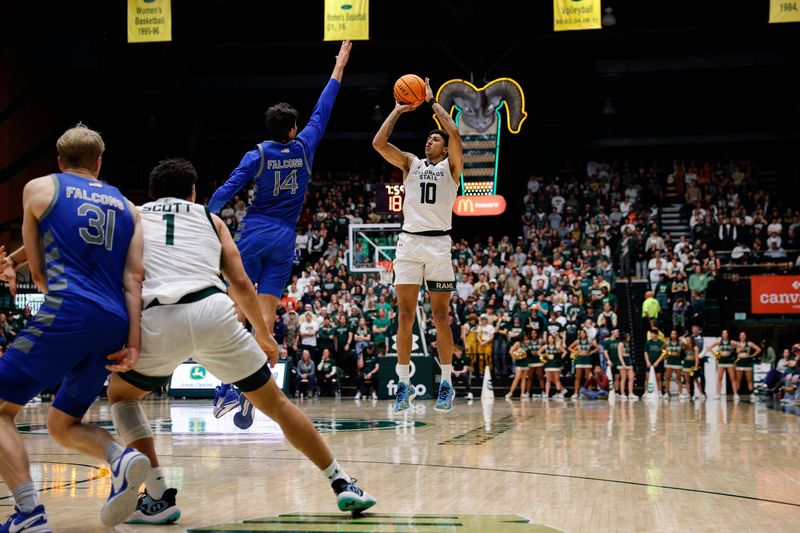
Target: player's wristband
(432, 101)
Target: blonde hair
(80, 147)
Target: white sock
(446, 371)
(334, 472)
(113, 450)
(155, 483)
(26, 497)
(402, 373)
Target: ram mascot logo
(477, 115)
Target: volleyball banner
(346, 20)
(577, 15)
(784, 11)
(775, 294)
(149, 21)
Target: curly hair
(172, 178)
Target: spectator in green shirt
(326, 335)
(698, 281)
(379, 328)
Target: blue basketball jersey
(281, 170)
(86, 232)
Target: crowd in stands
(553, 274)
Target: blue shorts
(267, 253)
(67, 342)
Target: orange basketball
(409, 89)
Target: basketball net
(385, 271)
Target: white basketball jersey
(430, 193)
(182, 252)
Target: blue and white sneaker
(244, 418)
(350, 497)
(226, 400)
(444, 402)
(405, 393)
(33, 522)
(151, 511)
(128, 472)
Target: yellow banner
(346, 20)
(784, 11)
(576, 15)
(149, 21)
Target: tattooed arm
(454, 150)
(388, 151)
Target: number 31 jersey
(182, 251)
(430, 193)
(85, 233)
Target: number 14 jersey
(182, 251)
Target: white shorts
(421, 258)
(207, 331)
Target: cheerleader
(691, 365)
(744, 363)
(535, 363)
(673, 352)
(519, 355)
(725, 360)
(582, 350)
(625, 368)
(553, 354)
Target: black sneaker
(161, 511)
(350, 497)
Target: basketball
(409, 89)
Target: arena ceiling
(678, 72)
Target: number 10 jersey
(430, 193)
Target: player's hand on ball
(270, 347)
(125, 360)
(406, 107)
(428, 90)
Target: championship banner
(346, 20)
(576, 15)
(784, 11)
(775, 295)
(149, 21)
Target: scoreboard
(389, 198)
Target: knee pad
(130, 421)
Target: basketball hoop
(385, 271)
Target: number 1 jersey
(182, 251)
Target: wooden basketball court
(499, 466)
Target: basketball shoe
(226, 399)
(444, 402)
(152, 511)
(350, 497)
(244, 418)
(33, 522)
(128, 471)
(405, 393)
